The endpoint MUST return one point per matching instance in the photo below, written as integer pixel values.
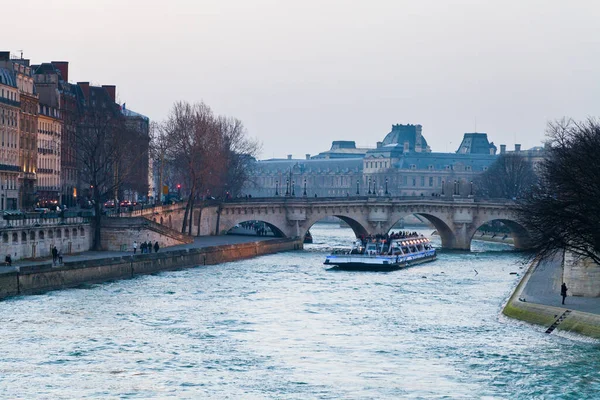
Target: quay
(38, 276)
(537, 299)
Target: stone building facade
(402, 164)
(29, 101)
(49, 156)
(9, 135)
(51, 80)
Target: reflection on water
(284, 327)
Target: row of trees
(206, 153)
(559, 202)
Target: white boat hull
(359, 262)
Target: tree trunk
(191, 214)
(97, 243)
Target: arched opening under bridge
(426, 224)
(334, 231)
(504, 231)
(255, 228)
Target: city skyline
(301, 76)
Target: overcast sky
(303, 73)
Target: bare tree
(509, 177)
(207, 152)
(104, 156)
(562, 212)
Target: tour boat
(393, 254)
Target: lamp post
(304, 194)
(293, 188)
(287, 186)
(386, 186)
(443, 184)
(471, 192)
(357, 191)
(276, 188)
(369, 185)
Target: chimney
(379, 144)
(308, 156)
(406, 146)
(4, 55)
(502, 148)
(85, 88)
(517, 148)
(289, 156)
(63, 67)
(112, 91)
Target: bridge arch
(254, 227)
(520, 235)
(357, 226)
(439, 222)
(228, 221)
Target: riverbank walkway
(199, 242)
(543, 287)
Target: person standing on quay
(563, 292)
(156, 247)
(54, 255)
(134, 246)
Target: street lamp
(357, 191)
(386, 186)
(369, 185)
(276, 188)
(304, 194)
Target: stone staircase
(558, 321)
(118, 232)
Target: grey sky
(303, 73)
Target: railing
(142, 210)
(384, 198)
(39, 221)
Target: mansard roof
(7, 77)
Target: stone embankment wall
(118, 234)
(37, 241)
(41, 278)
(581, 276)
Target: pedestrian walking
(60, 259)
(563, 291)
(54, 254)
(156, 247)
(8, 260)
(134, 246)
(143, 247)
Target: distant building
(51, 80)
(50, 124)
(401, 164)
(341, 149)
(28, 100)
(10, 107)
(136, 185)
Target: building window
(431, 181)
(414, 181)
(422, 181)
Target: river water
(283, 327)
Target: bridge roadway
(455, 218)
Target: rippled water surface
(284, 327)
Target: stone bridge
(455, 218)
